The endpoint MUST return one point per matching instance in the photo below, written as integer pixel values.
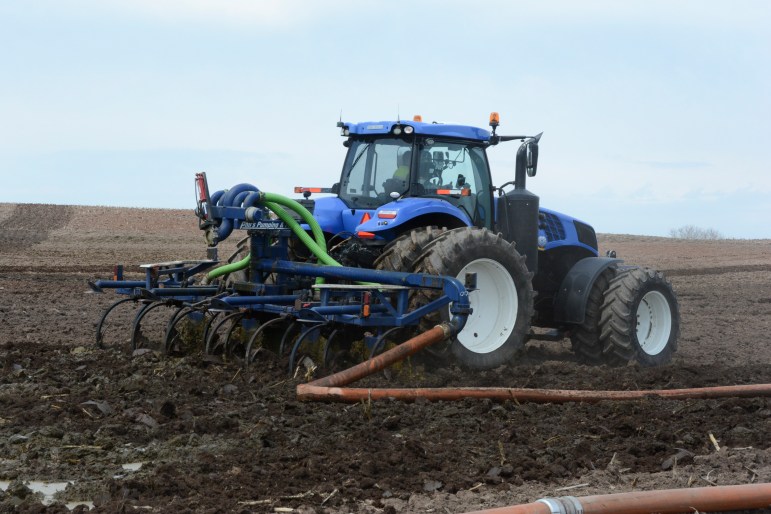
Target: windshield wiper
(358, 157)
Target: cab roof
(426, 129)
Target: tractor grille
(586, 234)
(552, 226)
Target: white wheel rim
(494, 303)
(654, 323)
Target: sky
(656, 114)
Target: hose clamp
(563, 505)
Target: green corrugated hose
(318, 247)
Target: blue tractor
(419, 197)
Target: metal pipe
(119, 284)
(183, 291)
(665, 501)
(256, 300)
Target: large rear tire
(640, 318)
(402, 253)
(502, 303)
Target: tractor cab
(388, 162)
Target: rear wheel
(502, 303)
(640, 318)
(585, 338)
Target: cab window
(461, 169)
(369, 164)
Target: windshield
(369, 165)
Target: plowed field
(197, 433)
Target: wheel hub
(494, 303)
(654, 322)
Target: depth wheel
(640, 318)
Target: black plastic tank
(517, 215)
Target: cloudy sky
(656, 114)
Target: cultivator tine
(171, 329)
(299, 341)
(251, 352)
(381, 341)
(135, 343)
(230, 343)
(213, 341)
(288, 336)
(210, 320)
(173, 340)
(138, 338)
(326, 359)
(101, 325)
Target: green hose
(318, 247)
(297, 207)
(229, 268)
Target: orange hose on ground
(311, 391)
(666, 501)
(330, 388)
(382, 361)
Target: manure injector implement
(413, 235)
(323, 303)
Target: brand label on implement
(262, 225)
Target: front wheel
(640, 318)
(502, 303)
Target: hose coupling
(447, 330)
(563, 505)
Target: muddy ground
(209, 436)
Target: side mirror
(527, 161)
(336, 188)
(532, 158)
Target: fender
(570, 302)
(406, 209)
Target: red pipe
(330, 388)
(666, 501)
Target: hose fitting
(563, 505)
(252, 213)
